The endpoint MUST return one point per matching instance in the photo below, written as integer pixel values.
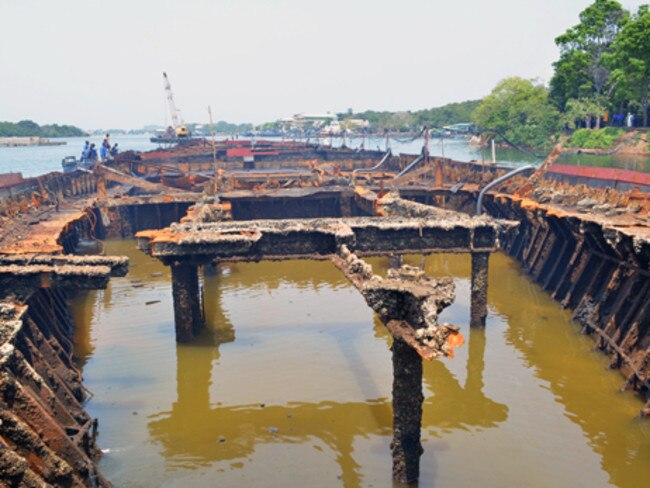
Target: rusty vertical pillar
(197, 303)
(407, 412)
(478, 310)
(185, 291)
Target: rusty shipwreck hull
(595, 268)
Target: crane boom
(180, 130)
(175, 113)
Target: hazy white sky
(98, 64)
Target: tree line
(601, 77)
(28, 128)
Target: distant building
(462, 128)
(323, 123)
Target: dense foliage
(581, 71)
(520, 110)
(595, 139)
(630, 61)
(604, 62)
(27, 128)
(603, 70)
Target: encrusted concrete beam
(118, 265)
(407, 301)
(17, 278)
(479, 287)
(320, 238)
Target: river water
(37, 160)
(290, 385)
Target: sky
(98, 64)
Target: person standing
(105, 150)
(92, 153)
(84, 151)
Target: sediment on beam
(119, 265)
(14, 278)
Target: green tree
(521, 111)
(583, 109)
(631, 60)
(581, 71)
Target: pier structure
(407, 301)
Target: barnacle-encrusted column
(408, 302)
(478, 310)
(407, 412)
(187, 300)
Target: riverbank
(608, 141)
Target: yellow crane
(178, 125)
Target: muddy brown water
(290, 383)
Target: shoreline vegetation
(30, 129)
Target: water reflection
(462, 407)
(539, 331)
(196, 432)
(526, 398)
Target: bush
(595, 139)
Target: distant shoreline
(28, 141)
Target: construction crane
(179, 127)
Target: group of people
(622, 120)
(106, 152)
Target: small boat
(69, 163)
